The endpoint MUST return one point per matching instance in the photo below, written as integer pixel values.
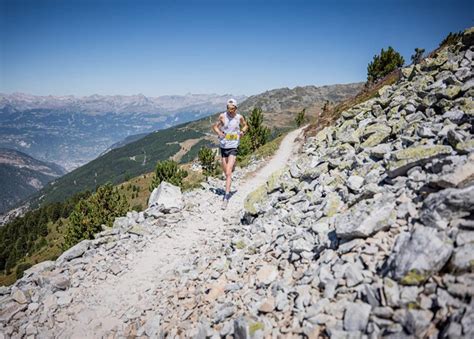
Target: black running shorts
(225, 152)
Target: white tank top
(231, 129)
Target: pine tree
(257, 132)
(384, 64)
(300, 118)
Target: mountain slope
(22, 175)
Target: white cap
(232, 102)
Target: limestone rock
(440, 208)
(425, 252)
(356, 316)
(414, 156)
(463, 258)
(75, 251)
(366, 218)
(267, 274)
(166, 197)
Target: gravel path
(105, 305)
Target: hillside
(119, 164)
(365, 230)
(22, 175)
(140, 156)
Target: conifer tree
(257, 132)
(300, 118)
(384, 64)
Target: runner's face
(231, 109)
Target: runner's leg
(228, 173)
(224, 161)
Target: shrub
(207, 159)
(384, 64)
(300, 118)
(168, 171)
(89, 214)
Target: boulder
(74, 252)
(440, 208)
(167, 197)
(422, 254)
(254, 200)
(460, 176)
(356, 316)
(366, 218)
(413, 156)
(463, 259)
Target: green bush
(300, 118)
(207, 159)
(89, 214)
(169, 171)
(384, 64)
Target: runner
(228, 130)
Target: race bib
(231, 136)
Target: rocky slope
(22, 175)
(368, 233)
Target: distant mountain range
(22, 175)
(71, 131)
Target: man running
(228, 130)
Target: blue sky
(82, 47)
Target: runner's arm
(217, 125)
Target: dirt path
(106, 304)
